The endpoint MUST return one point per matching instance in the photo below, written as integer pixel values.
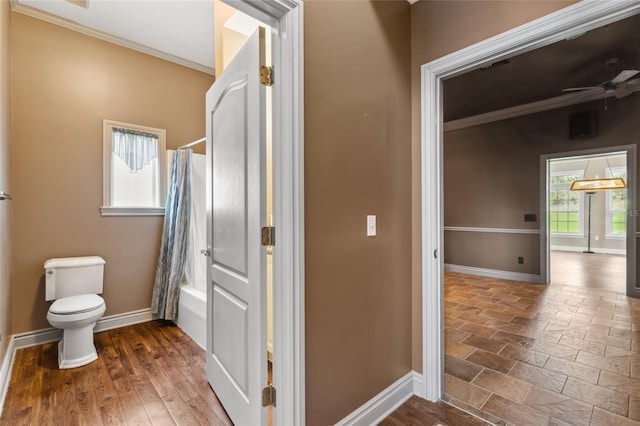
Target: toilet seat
(76, 304)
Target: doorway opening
(587, 232)
(566, 23)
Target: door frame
(285, 17)
(545, 249)
(567, 22)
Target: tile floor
(526, 354)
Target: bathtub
(192, 314)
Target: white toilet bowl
(76, 316)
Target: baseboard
(593, 249)
(5, 371)
(493, 273)
(47, 335)
(383, 404)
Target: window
(134, 170)
(617, 205)
(565, 206)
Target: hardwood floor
(589, 270)
(146, 374)
(527, 354)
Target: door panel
(236, 291)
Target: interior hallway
(146, 374)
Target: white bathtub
(192, 314)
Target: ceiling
(543, 73)
(182, 31)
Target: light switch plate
(371, 225)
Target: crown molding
(526, 109)
(16, 6)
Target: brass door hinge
(266, 75)
(269, 396)
(268, 236)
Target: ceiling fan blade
(578, 89)
(622, 91)
(624, 76)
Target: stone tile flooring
(527, 354)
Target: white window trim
(107, 209)
(609, 171)
(580, 233)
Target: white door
(236, 291)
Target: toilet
(73, 283)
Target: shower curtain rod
(190, 144)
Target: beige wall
(437, 29)
(64, 84)
(5, 206)
(492, 178)
(357, 162)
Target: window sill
(616, 237)
(566, 235)
(131, 211)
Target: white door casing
(565, 23)
(236, 207)
(285, 17)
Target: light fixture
(598, 184)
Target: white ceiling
(180, 31)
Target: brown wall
(492, 178)
(437, 29)
(64, 84)
(357, 162)
(5, 206)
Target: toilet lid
(76, 304)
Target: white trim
(527, 231)
(567, 22)
(5, 371)
(285, 17)
(131, 211)
(380, 406)
(493, 273)
(601, 250)
(526, 109)
(74, 26)
(47, 335)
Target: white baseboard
(39, 337)
(593, 249)
(47, 335)
(383, 404)
(493, 273)
(5, 371)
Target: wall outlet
(520, 260)
(596, 238)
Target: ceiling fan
(620, 86)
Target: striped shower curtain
(173, 249)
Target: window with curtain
(617, 205)
(134, 169)
(565, 206)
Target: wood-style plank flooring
(146, 374)
(528, 354)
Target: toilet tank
(73, 276)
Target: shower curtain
(173, 248)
